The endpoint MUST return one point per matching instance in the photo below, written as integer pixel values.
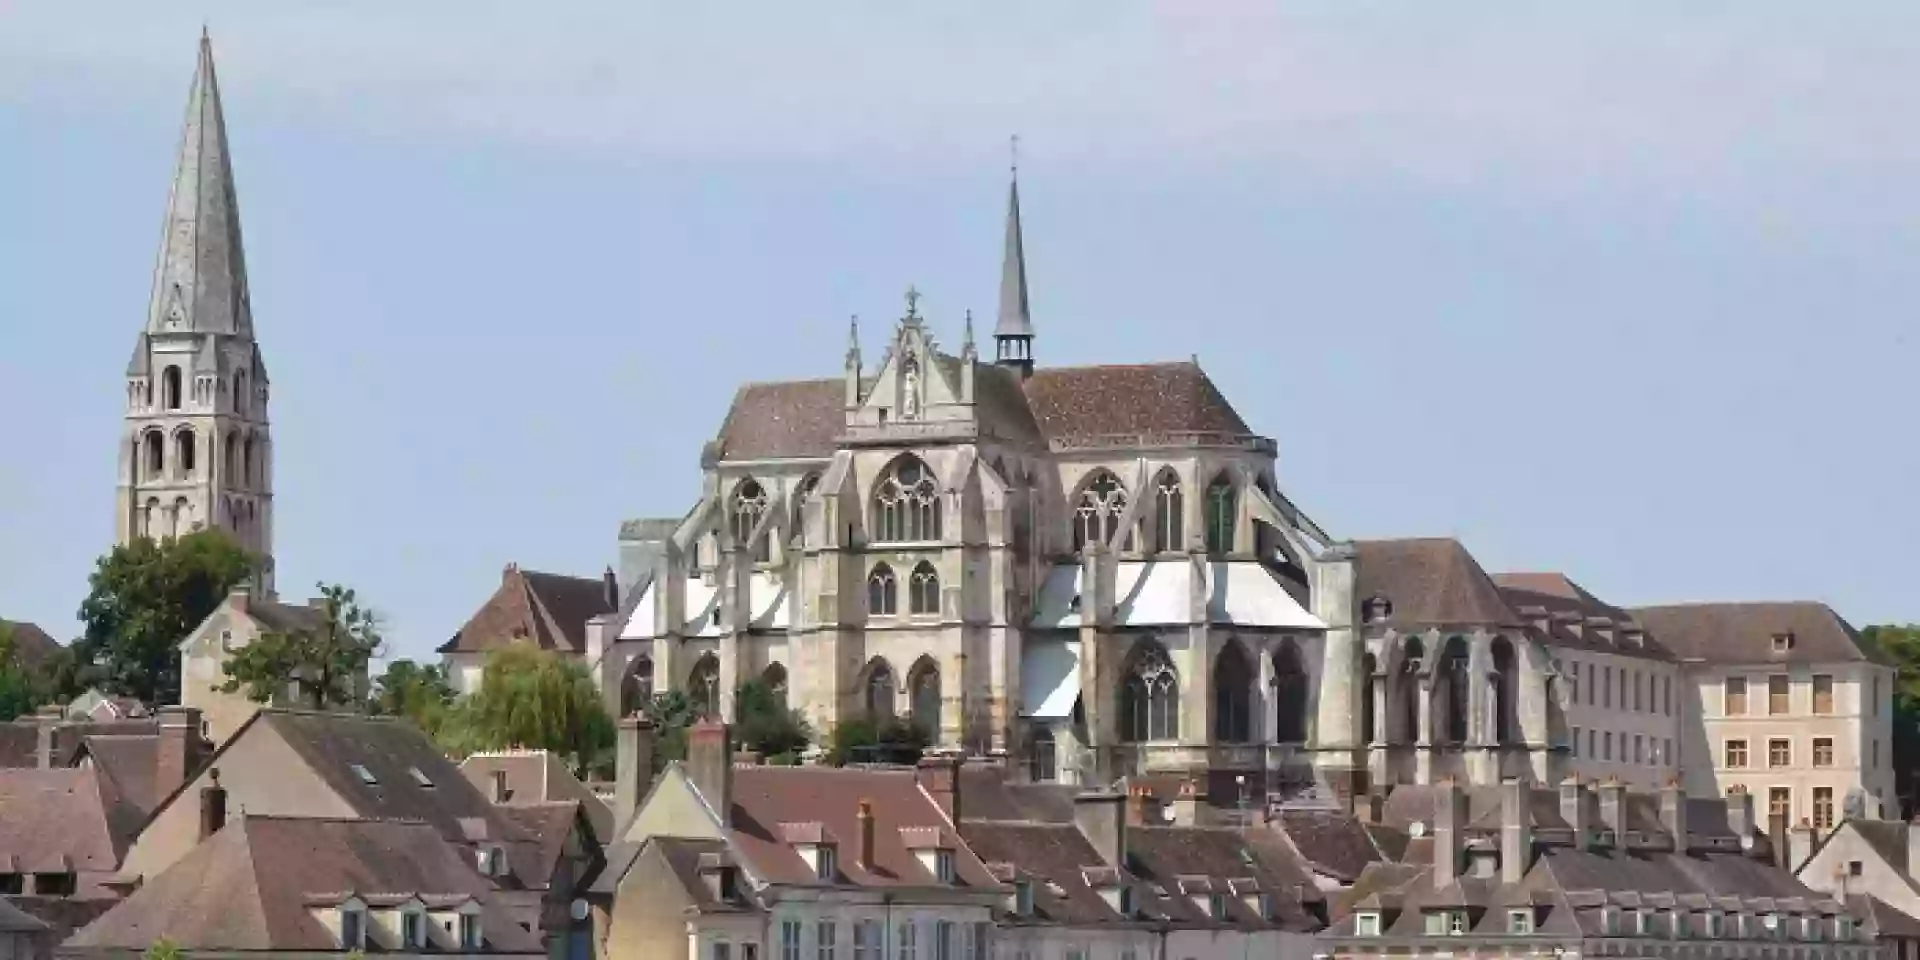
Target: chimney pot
(864, 854)
(710, 766)
(632, 766)
(940, 777)
(213, 805)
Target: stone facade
(196, 450)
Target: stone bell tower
(195, 450)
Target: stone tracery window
(879, 692)
(1150, 696)
(923, 590)
(749, 505)
(170, 387)
(1096, 515)
(1457, 677)
(703, 686)
(1232, 696)
(906, 504)
(1221, 515)
(924, 685)
(1043, 761)
(1169, 511)
(1291, 690)
(883, 593)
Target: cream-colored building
(238, 621)
(1783, 700)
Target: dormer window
(470, 938)
(1376, 609)
(1519, 921)
(1217, 906)
(492, 862)
(826, 865)
(943, 870)
(1366, 924)
(353, 928)
(1782, 642)
(413, 930)
(1641, 923)
(1023, 898)
(1609, 922)
(1843, 928)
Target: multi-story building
(1784, 700)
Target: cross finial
(913, 303)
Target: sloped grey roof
(1559, 598)
(1429, 582)
(1744, 632)
(200, 283)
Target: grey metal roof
(1015, 319)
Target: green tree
(534, 699)
(865, 741)
(418, 692)
(162, 949)
(22, 691)
(325, 663)
(672, 713)
(145, 597)
(764, 724)
(1900, 644)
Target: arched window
(1413, 661)
(774, 678)
(906, 504)
(1369, 720)
(182, 517)
(156, 455)
(703, 686)
(923, 683)
(883, 594)
(923, 590)
(1504, 681)
(803, 493)
(230, 461)
(184, 448)
(1232, 695)
(1149, 696)
(150, 519)
(1043, 760)
(170, 388)
(1454, 663)
(636, 687)
(749, 505)
(1169, 511)
(879, 691)
(246, 463)
(1291, 691)
(1096, 515)
(1221, 515)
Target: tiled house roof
(546, 609)
(68, 820)
(773, 805)
(777, 420)
(1567, 615)
(1429, 582)
(1745, 632)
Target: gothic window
(883, 594)
(1232, 696)
(1043, 760)
(1456, 677)
(703, 686)
(923, 591)
(1369, 720)
(1169, 511)
(906, 504)
(1221, 515)
(183, 452)
(230, 461)
(1149, 696)
(1412, 663)
(1291, 691)
(879, 691)
(1097, 513)
(924, 685)
(170, 387)
(774, 678)
(1505, 681)
(749, 505)
(156, 454)
(636, 688)
(246, 462)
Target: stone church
(195, 447)
(1093, 570)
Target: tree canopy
(325, 664)
(145, 597)
(22, 691)
(418, 692)
(764, 724)
(1901, 645)
(533, 699)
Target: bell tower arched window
(1232, 696)
(906, 504)
(802, 493)
(1169, 511)
(923, 590)
(185, 448)
(924, 685)
(156, 455)
(1457, 676)
(1096, 514)
(749, 505)
(1222, 515)
(170, 388)
(1149, 695)
(883, 593)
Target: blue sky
(1623, 290)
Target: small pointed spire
(1013, 334)
(968, 344)
(200, 283)
(853, 340)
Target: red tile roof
(1429, 582)
(766, 800)
(546, 609)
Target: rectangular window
(1639, 749)
(1606, 745)
(943, 941)
(1733, 701)
(749, 951)
(1823, 808)
(866, 940)
(982, 940)
(1520, 921)
(1666, 695)
(823, 945)
(1591, 752)
(469, 931)
(1822, 693)
(1666, 750)
(1823, 751)
(1586, 670)
(1874, 764)
(353, 929)
(1606, 687)
(1779, 803)
(1436, 923)
(412, 931)
(908, 940)
(1736, 754)
(1777, 694)
(943, 866)
(1573, 681)
(1638, 680)
(1876, 695)
(1456, 922)
(790, 939)
(1576, 742)
(1366, 924)
(1779, 753)
(826, 865)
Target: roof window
(420, 779)
(1782, 642)
(366, 776)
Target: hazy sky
(1618, 289)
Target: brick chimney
(1099, 816)
(1139, 799)
(179, 757)
(1573, 809)
(940, 777)
(1516, 831)
(1187, 804)
(863, 838)
(710, 766)
(1449, 827)
(632, 767)
(213, 805)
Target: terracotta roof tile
(547, 609)
(1569, 611)
(63, 819)
(1744, 632)
(768, 801)
(769, 421)
(1429, 582)
(1139, 398)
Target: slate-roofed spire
(200, 282)
(1013, 335)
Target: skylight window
(366, 776)
(419, 778)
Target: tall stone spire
(200, 282)
(1013, 335)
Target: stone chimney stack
(1673, 813)
(1799, 844)
(632, 767)
(1613, 810)
(940, 777)
(863, 840)
(1777, 839)
(1740, 815)
(610, 589)
(1573, 809)
(1516, 830)
(1100, 817)
(710, 766)
(1449, 828)
(213, 805)
(1187, 805)
(179, 755)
